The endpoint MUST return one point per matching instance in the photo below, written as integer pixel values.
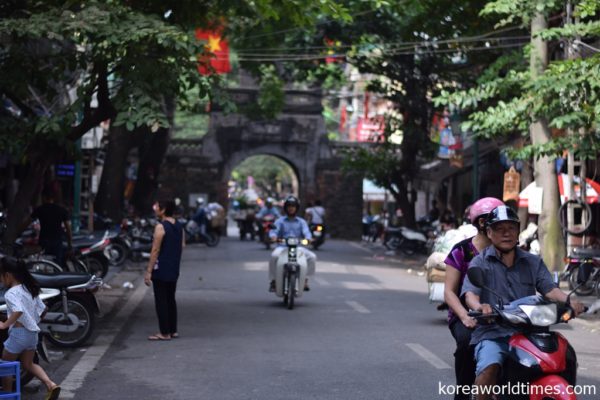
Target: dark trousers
(166, 306)
(464, 358)
(55, 249)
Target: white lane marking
(321, 281)
(358, 246)
(358, 307)
(428, 356)
(94, 353)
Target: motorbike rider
(315, 215)
(267, 209)
(201, 218)
(290, 225)
(512, 273)
(457, 263)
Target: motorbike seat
(585, 252)
(61, 280)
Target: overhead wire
(405, 51)
(387, 50)
(394, 44)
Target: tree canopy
(508, 98)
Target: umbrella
(592, 190)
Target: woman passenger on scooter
(457, 263)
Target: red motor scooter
(541, 364)
(267, 224)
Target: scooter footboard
(551, 386)
(279, 275)
(301, 279)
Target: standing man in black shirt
(52, 219)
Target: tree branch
(105, 110)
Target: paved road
(365, 331)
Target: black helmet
(291, 201)
(501, 214)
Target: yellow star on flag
(214, 43)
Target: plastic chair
(12, 368)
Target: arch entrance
(296, 136)
(262, 176)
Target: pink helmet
(482, 207)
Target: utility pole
(572, 54)
(475, 169)
(77, 193)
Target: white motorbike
(291, 270)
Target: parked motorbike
(318, 234)
(291, 271)
(138, 233)
(539, 357)
(41, 351)
(71, 317)
(91, 250)
(372, 227)
(409, 241)
(582, 271)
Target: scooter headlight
(541, 315)
(513, 318)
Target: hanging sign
(512, 182)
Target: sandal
(175, 335)
(158, 337)
(53, 393)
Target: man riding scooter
(268, 210)
(512, 274)
(290, 225)
(200, 218)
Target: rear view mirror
(476, 277)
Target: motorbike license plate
(317, 233)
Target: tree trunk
(18, 211)
(549, 231)
(152, 152)
(109, 200)
(407, 207)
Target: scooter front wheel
(72, 329)
(291, 290)
(212, 239)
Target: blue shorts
(20, 340)
(490, 351)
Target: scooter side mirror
(476, 277)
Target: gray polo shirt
(527, 276)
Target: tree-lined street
(365, 331)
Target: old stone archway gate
(297, 136)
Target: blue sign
(65, 169)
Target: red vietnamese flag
(216, 53)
